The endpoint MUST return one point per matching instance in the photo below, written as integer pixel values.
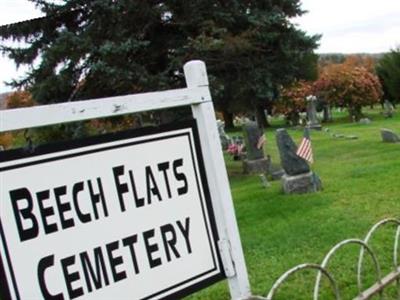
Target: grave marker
(312, 113)
(298, 177)
(254, 140)
(389, 136)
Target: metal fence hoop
(334, 250)
(396, 248)
(395, 261)
(298, 268)
(367, 239)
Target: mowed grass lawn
(361, 186)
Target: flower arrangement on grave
(236, 149)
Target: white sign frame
(124, 217)
(196, 95)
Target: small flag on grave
(305, 150)
(261, 141)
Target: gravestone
(313, 122)
(388, 136)
(290, 161)
(298, 177)
(389, 109)
(224, 138)
(365, 121)
(255, 161)
(1, 148)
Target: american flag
(305, 150)
(261, 141)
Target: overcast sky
(348, 26)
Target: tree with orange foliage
(15, 100)
(19, 99)
(349, 85)
(6, 140)
(292, 100)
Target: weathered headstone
(298, 177)
(388, 136)
(255, 161)
(389, 109)
(224, 138)
(313, 122)
(365, 121)
(251, 135)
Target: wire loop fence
(381, 281)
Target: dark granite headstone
(291, 163)
(388, 136)
(255, 161)
(251, 135)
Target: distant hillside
(338, 58)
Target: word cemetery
(143, 214)
(120, 226)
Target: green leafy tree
(251, 48)
(388, 70)
(106, 47)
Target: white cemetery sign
(141, 214)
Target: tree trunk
(327, 114)
(355, 113)
(294, 118)
(260, 117)
(228, 119)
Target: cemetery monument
(298, 177)
(255, 161)
(313, 122)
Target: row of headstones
(294, 172)
(313, 121)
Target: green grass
(360, 187)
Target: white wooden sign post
(144, 214)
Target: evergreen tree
(110, 47)
(388, 70)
